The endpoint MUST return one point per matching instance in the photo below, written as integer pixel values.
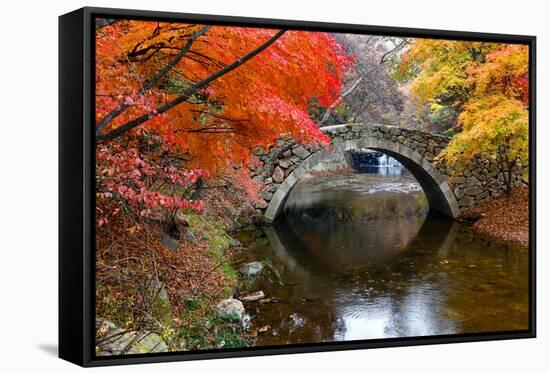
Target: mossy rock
(230, 310)
(116, 341)
(161, 309)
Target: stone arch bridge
(449, 190)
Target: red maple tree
(204, 95)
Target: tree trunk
(505, 169)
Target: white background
(28, 188)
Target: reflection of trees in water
(333, 242)
(375, 265)
(353, 228)
(391, 281)
(492, 282)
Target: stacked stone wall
(470, 184)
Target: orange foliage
(252, 105)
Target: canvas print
(260, 187)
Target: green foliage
(341, 113)
(203, 330)
(445, 116)
(218, 241)
(271, 273)
(450, 132)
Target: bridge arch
(438, 192)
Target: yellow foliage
(487, 123)
(486, 83)
(444, 65)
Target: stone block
(266, 195)
(301, 152)
(285, 163)
(466, 201)
(278, 174)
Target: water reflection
(361, 257)
(363, 219)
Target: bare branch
(395, 49)
(339, 100)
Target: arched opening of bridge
(438, 193)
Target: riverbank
(503, 218)
(157, 292)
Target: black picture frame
(77, 194)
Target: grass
(218, 242)
(202, 329)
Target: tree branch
(397, 48)
(339, 100)
(158, 76)
(190, 91)
(161, 73)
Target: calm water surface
(361, 257)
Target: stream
(360, 256)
